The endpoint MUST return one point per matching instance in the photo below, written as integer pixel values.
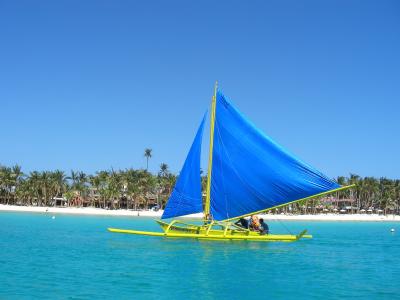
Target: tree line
(105, 189)
(370, 194)
(138, 189)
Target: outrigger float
(248, 174)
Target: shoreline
(157, 214)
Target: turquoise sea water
(74, 257)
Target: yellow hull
(211, 232)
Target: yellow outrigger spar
(279, 177)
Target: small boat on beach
(248, 174)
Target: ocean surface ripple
(74, 257)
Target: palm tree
(10, 178)
(79, 185)
(33, 183)
(95, 183)
(163, 184)
(163, 170)
(146, 183)
(166, 183)
(16, 177)
(6, 183)
(131, 188)
(147, 154)
(114, 188)
(45, 186)
(59, 183)
(104, 181)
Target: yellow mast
(210, 155)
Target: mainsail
(186, 196)
(250, 172)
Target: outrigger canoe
(248, 173)
(213, 231)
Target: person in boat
(208, 218)
(264, 229)
(254, 223)
(242, 222)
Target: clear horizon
(89, 85)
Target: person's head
(261, 220)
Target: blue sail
(186, 196)
(251, 172)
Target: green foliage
(106, 188)
(133, 188)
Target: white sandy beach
(157, 214)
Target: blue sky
(88, 85)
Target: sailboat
(248, 174)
